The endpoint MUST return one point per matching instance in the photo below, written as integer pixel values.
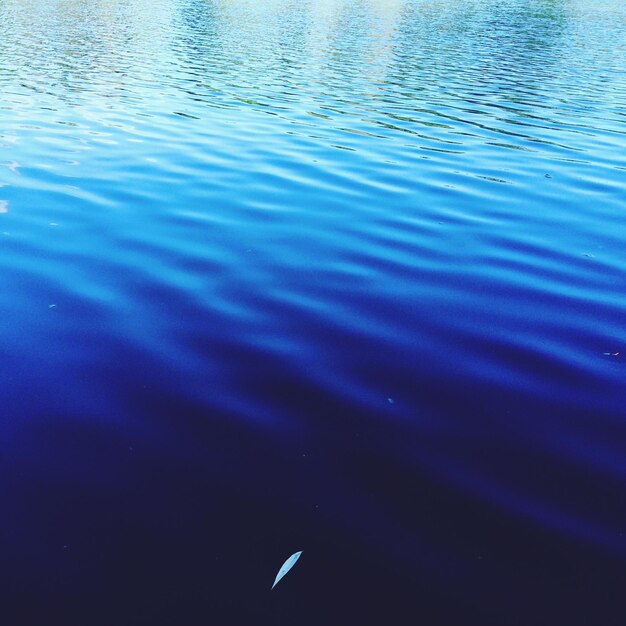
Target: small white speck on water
(52, 306)
(390, 400)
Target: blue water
(340, 276)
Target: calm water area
(339, 276)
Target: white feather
(287, 565)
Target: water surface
(343, 276)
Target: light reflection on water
(344, 277)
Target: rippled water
(343, 276)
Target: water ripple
(347, 276)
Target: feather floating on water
(287, 565)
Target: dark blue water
(340, 276)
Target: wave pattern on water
(340, 276)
